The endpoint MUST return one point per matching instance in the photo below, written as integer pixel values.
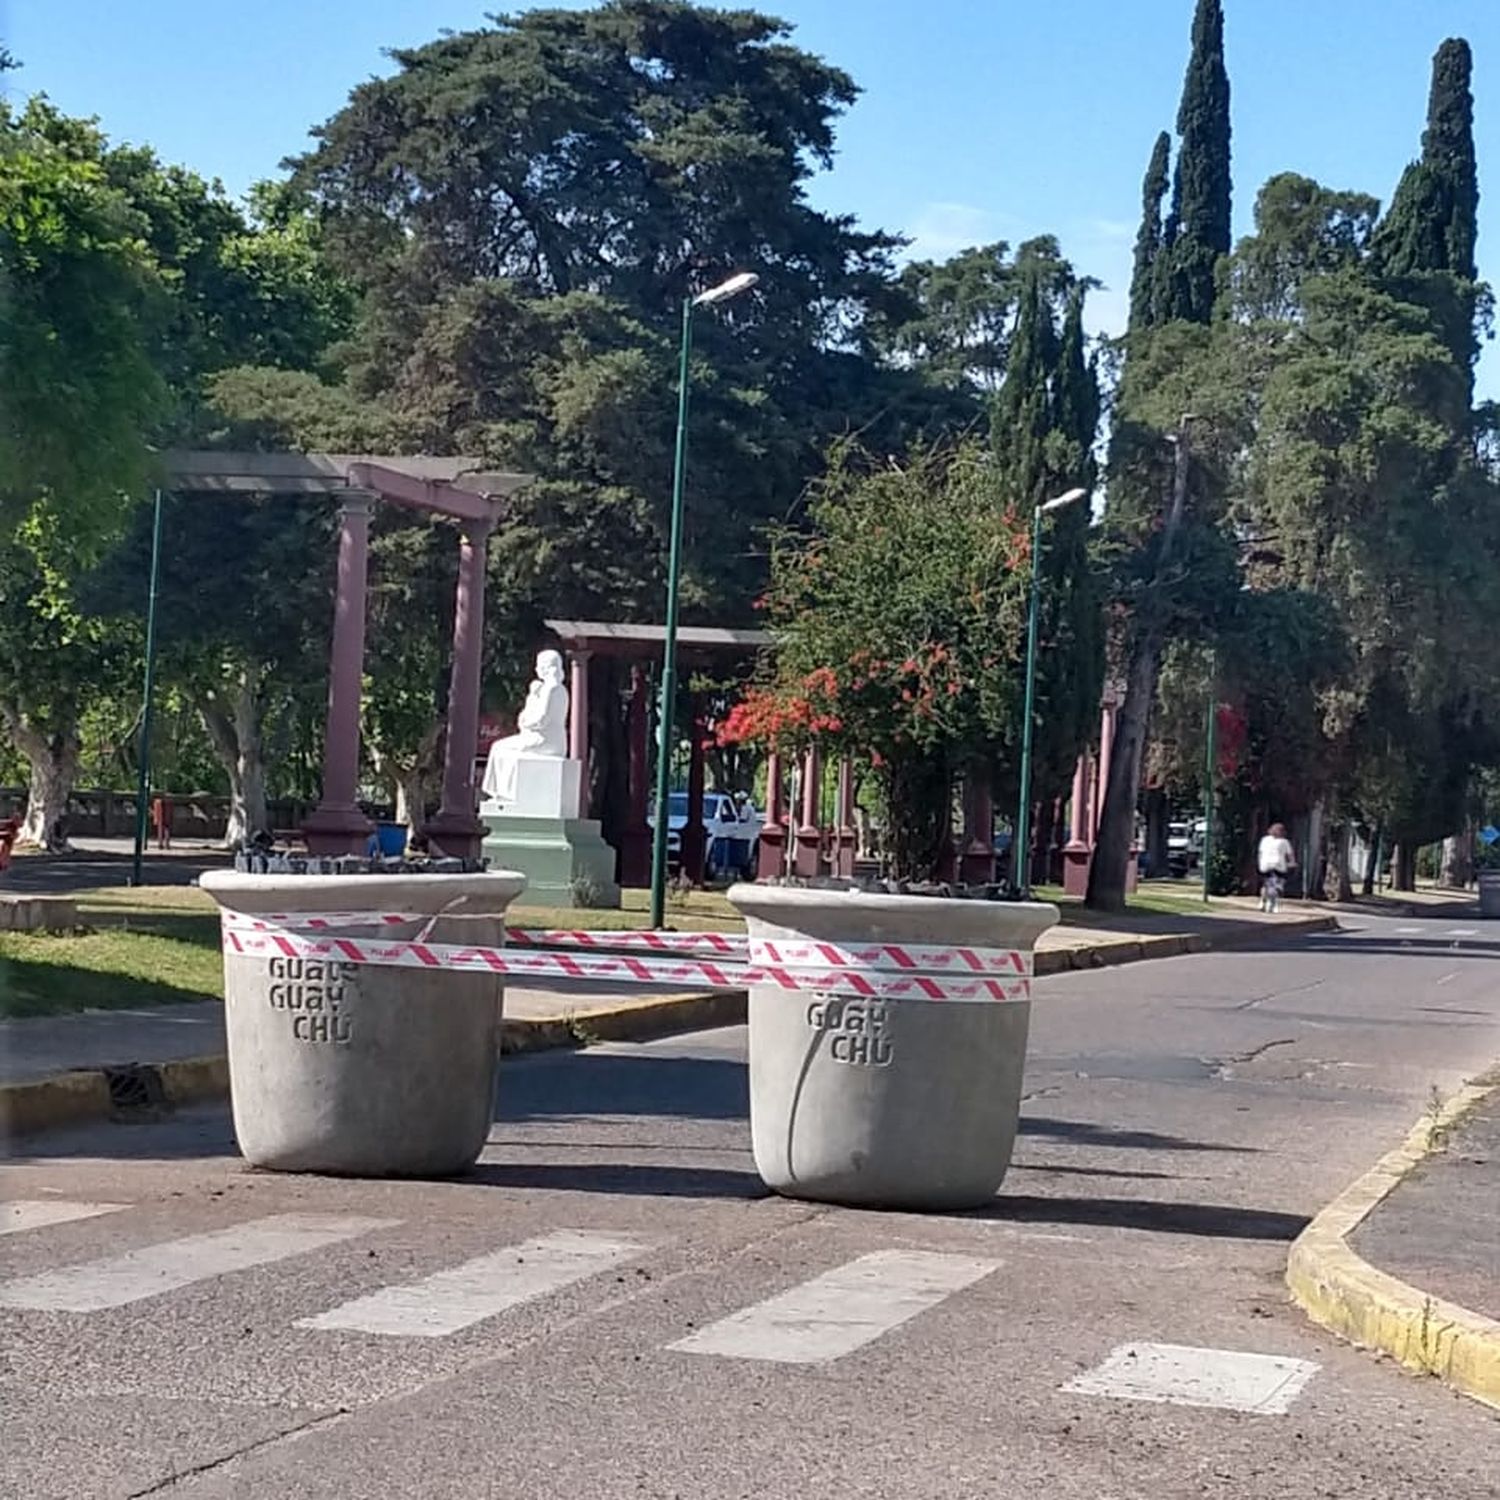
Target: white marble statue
(542, 730)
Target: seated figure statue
(541, 730)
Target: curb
(1344, 1293)
(84, 1095)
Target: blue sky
(980, 119)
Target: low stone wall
(38, 914)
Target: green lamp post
(721, 293)
(143, 774)
(1023, 810)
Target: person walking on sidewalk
(1275, 858)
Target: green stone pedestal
(556, 855)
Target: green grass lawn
(45, 973)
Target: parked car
(1183, 851)
(733, 830)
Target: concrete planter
(1489, 893)
(357, 1068)
(906, 1103)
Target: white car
(732, 829)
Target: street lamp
(1023, 810)
(741, 282)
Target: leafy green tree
(80, 301)
(899, 626)
(1044, 426)
(1146, 513)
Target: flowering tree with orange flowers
(899, 626)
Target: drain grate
(136, 1090)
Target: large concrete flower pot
(895, 1103)
(357, 1068)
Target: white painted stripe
(480, 1288)
(154, 1269)
(836, 1313)
(1463, 932)
(1179, 1375)
(38, 1213)
(1449, 978)
(1409, 931)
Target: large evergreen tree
(1197, 231)
(1148, 240)
(1043, 429)
(1431, 228)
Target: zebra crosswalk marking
(451, 1300)
(38, 1213)
(838, 1312)
(116, 1280)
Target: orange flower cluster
(879, 701)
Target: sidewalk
(1407, 1260)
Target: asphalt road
(559, 1328)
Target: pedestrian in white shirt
(1275, 857)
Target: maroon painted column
(694, 834)
(456, 831)
(771, 863)
(635, 841)
(809, 834)
(336, 825)
(846, 836)
(578, 723)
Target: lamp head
(742, 281)
(1071, 498)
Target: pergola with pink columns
(452, 488)
(641, 646)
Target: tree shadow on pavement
(1084, 1133)
(1209, 1220)
(625, 1178)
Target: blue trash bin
(391, 839)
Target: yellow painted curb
(1347, 1295)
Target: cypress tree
(1433, 220)
(1148, 240)
(1076, 401)
(1431, 228)
(1448, 149)
(1022, 417)
(1197, 231)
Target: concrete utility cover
(1261, 1384)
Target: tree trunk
(1372, 860)
(1045, 824)
(1113, 848)
(1312, 877)
(919, 803)
(411, 775)
(1338, 886)
(53, 763)
(1456, 871)
(1404, 867)
(232, 719)
(1158, 855)
(410, 788)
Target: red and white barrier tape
(258, 937)
(906, 958)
